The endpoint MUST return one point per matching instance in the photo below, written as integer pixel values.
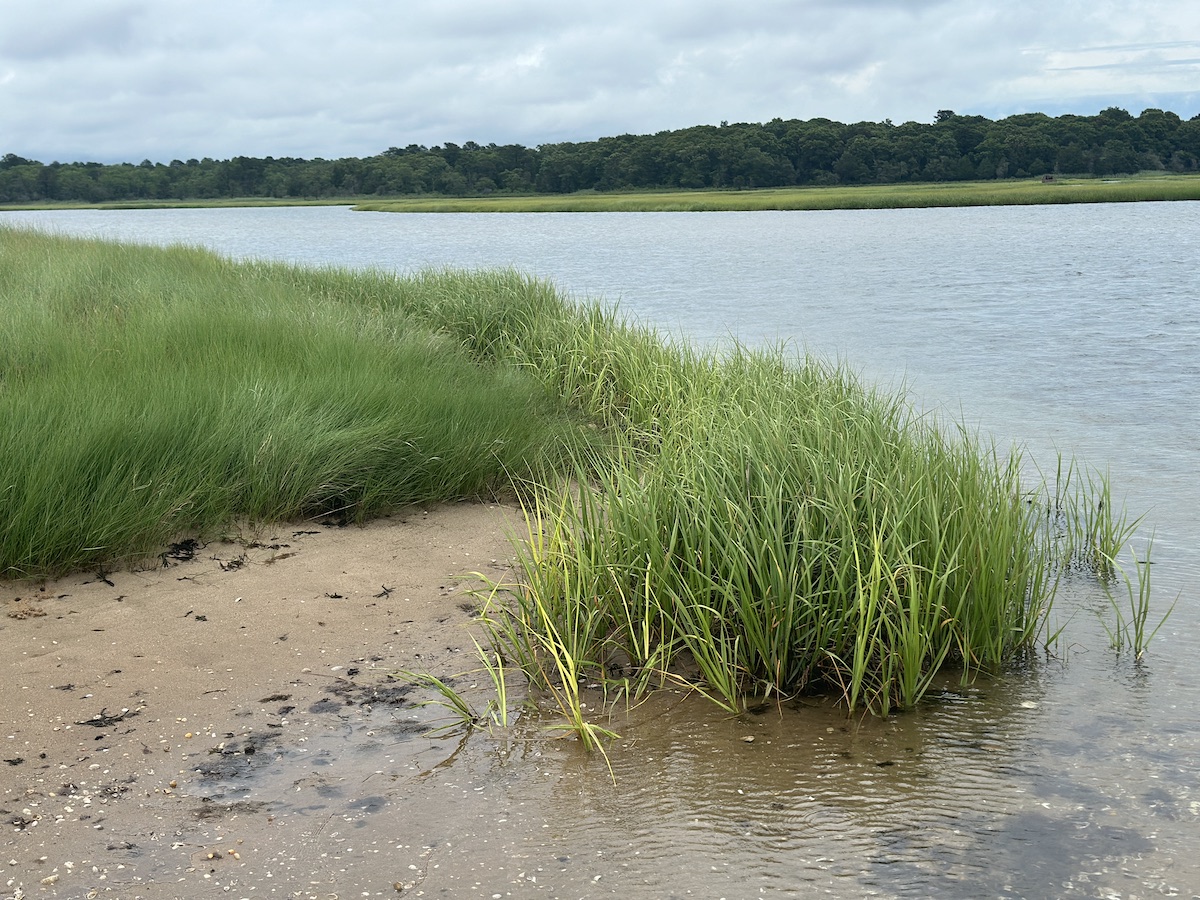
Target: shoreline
(139, 701)
(1143, 187)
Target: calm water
(1061, 328)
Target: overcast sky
(126, 80)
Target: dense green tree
(11, 160)
(20, 183)
(730, 156)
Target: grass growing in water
(783, 527)
(759, 524)
(1019, 192)
(1131, 626)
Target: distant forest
(775, 154)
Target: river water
(1060, 328)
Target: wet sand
(146, 714)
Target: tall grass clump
(146, 393)
(789, 529)
(758, 525)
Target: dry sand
(134, 702)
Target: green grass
(762, 528)
(147, 393)
(886, 196)
(747, 523)
(1131, 628)
(761, 525)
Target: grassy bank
(883, 196)
(1119, 189)
(750, 523)
(146, 393)
(760, 526)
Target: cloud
(39, 32)
(122, 80)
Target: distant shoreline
(1147, 187)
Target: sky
(127, 80)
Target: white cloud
(123, 79)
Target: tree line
(778, 153)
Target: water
(1071, 328)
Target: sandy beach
(134, 702)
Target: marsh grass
(1131, 619)
(760, 525)
(463, 713)
(755, 524)
(1145, 187)
(149, 393)
(790, 529)
(1085, 529)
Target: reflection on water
(1075, 775)
(985, 790)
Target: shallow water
(1075, 328)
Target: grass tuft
(148, 393)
